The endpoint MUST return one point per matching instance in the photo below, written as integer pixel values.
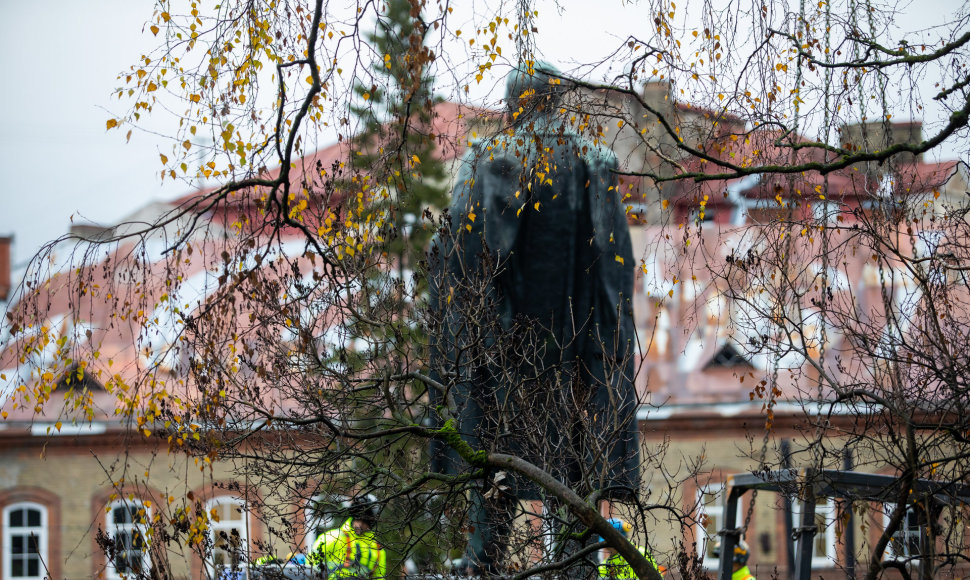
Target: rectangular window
(824, 550)
(905, 542)
(826, 212)
(710, 518)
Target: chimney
(657, 95)
(5, 243)
(878, 135)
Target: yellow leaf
(187, 144)
(151, 87)
(112, 123)
(195, 98)
(671, 293)
(57, 425)
(415, 159)
(619, 258)
(154, 29)
(163, 157)
(166, 17)
(664, 203)
(471, 216)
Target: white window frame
(40, 532)
(223, 526)
(825, 508)
(113, 529)
(314, 521)
(905, 530)
(713, 511)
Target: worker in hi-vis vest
(615, 566)
(351, 551)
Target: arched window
(25, 541)
(127, 522)
(229, 531)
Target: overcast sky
(59, 58)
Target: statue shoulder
(597, 157)
(483, 149)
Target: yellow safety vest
(742, 574)
(345, 554)
(616, 567)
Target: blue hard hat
(298, 559)
(621, 526)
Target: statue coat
(537, 218)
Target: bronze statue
(537, 221)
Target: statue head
(535, 91)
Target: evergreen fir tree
(395, 150)
(396, 146)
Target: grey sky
(58, 59)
